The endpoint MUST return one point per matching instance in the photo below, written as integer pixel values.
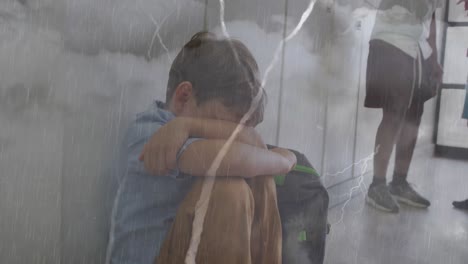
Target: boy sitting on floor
(212, 84)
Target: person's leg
(406, 141)
(399, 187)
(384, 141)
(242, 224)
(226, 229)
(378, 194)
(464, 204)
(266, 239)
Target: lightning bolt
(156, 33)
(364, 160)
(343, 170)
(360, 185)
(202, 204)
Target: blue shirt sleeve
(137, 137)
(176, 173)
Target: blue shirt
(145, 205)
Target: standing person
(402, 74)
(464, 204)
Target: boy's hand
(160, 152)
(288, 155)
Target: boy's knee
(234, 193)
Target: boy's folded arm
(159, 154)
(220, 129)
(240, 160)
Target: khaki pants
(242, 224)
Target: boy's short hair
(210, 65)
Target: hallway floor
(437, 235)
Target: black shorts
(393, 78)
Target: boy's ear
(182, 95)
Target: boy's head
(206, 80)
